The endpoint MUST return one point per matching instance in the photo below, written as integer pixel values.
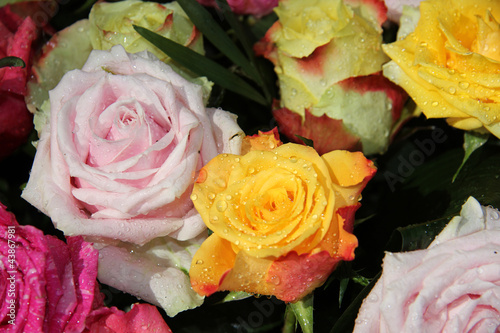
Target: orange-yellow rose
(281, 219)
(450, 63)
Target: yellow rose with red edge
(281, 219)
(450, 63)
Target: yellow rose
(450, 63)
(281, 219)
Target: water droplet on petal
(463, 85)
(221, 206)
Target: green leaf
(202, 66)
(359, 279)
(346, 321)
(255, 70)
(235, 296)
(206, 24)
(343, 287)
(420, 236)
(307, 142)
(12, 62)
(303, 311)
(472, 141)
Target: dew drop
(221, 206)
(199, 262)
(452, 90)
(463, 85)
(211, 196)
(275, 280)
(435, 104)
(193, 197)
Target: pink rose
(50, 286)
(126, 138)
(47, 285)
(252, 7)
(452, 286)
(16, 36)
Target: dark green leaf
(419, 236)
(202, 66)
(307, 142)
(343, 286)
(346, 321)
(247, 42)
(12, 62)
(204, 22)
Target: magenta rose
(16, 38)
(452, 286)
(252, 7)
(50, 286)
(46, 285)
(126, 138)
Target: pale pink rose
(251, 7)
(126, 138)
(452, 286)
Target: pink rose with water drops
(117, 162)
(126, 138)
(452, 286)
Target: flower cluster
(143, 116)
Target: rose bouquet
(249, 166)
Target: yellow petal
(210, 263)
